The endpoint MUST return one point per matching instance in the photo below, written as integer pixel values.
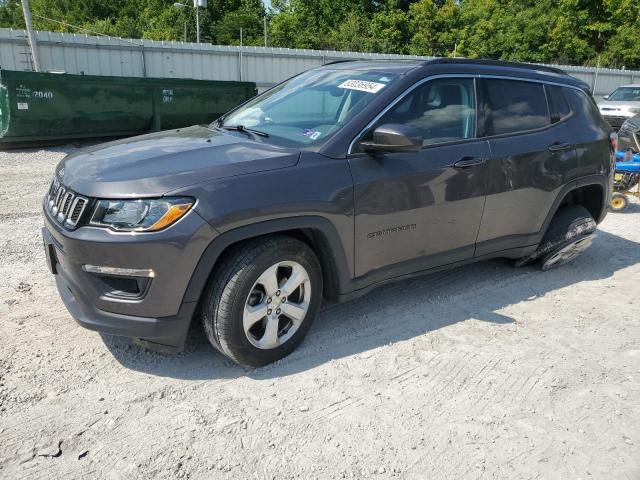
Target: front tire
(262, 300)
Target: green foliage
(389, 31)
(435, 27)
(555, 31)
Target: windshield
(311, 107)
(625, 94)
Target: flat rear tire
(570, 233)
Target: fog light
(124, 272)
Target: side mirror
(394, 137)
(606, 97)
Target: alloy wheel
(567, 253)
(277, 305)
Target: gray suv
(336, 181)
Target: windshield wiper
(243, 129)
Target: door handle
(467, 162)
(558, 146)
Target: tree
(317, 23)
(389, 31)
(434, 27)
(153, 19)
(248, 17)
(579, 32)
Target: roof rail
(341, 61)
(496, 63)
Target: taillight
(614, 141)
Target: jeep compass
(337, 180)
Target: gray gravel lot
(480, 372)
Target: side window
(444, 110)
(514, 106)
(557, 103)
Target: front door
(417, 210)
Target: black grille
(614, 121)
(64, 205)
(78, 209)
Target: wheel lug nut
(269, 300)
(284, 299)
(269, 312)
(278, 293)
(278, 312)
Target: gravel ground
(480, 372)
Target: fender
(331, 253)
(606, 182)
(603, 181)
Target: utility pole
(33, 43)
(196, 4)
(595, 77)
(240, 54)
(264, 21)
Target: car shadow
(394, 313)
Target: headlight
(140, 215)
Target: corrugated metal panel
(92, 55)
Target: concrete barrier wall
(93, 55)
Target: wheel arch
(590, 196)
(592, 192)
(317, 232)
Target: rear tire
(570, 233)
(251, 312)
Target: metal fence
(93, 55)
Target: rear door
(416, 210)
(531, 150)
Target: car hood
(154, 164)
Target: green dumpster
(41, 108)
(179, 103)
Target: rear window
(515, 106)
(557, 103)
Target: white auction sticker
(23, 106)
(362, 85)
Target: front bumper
(629, 140)
(615, 121)
(161, 315)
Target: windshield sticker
(384, 79)
(311, 133)
(362, 85)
